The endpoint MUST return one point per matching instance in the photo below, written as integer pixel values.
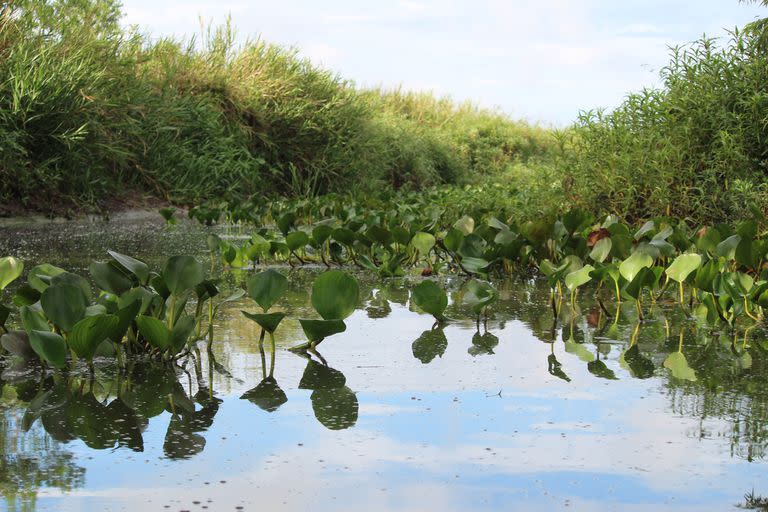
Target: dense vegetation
(90, 109)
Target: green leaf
(154, 331)
(267, 321)
(182, 273)
(40, 276)
(466, 225)
(50, 347)
(423, 243)
(335, 295)
(267, 287)
(601, 250)
(678, 365)
(630, 267)
(285, 222)
(10, 269)
(683, 266)
(136, 267)
(727, 248)
(453, 239)
(110, 278)
(319, 376)
(87, 334)
(645, 278)
(430, 298)
(296, 240)
(321, 233)
(317, 330)
(33, 320)
(64, 305)
(179, 335)
(580, 277)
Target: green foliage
(93, 109)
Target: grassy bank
(90, 110)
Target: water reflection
(55, 414)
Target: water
(528, 413)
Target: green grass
(89, 110)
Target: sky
(542, 60)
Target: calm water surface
(528, 413)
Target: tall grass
(697, 147)
(89, 110)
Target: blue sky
(542, 60)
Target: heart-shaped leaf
(64, 305)
(154, 331)
(317, 330)
(50, 347)
(631, 266)
(335, 295)
(136, 267)
(430, 298)
(683, 266)
(267, 321)
(17, 343)
(267, 287)
(480, 294)
(580, 277)
(182, 273)
(678, 365)
(10, 269)
(88, 333)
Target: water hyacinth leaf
(678, 365)
(683, 266)
(17, 343)
(466, 225)
(480, 294)
(110, 278)
(483, 344)
(154, 331)
(182, 273)
(630, 267)
(10, 270)
(727, 248)
(646, 228)
(335, 295)
(321, 233)
(50, 347)
(40, 276)
(267, 321)
(88, 334)
(453, 239)
(266, 287)
(33, 319)
(580, 351)
(423, 243)
(286, 222)
(142, 295)
(64, 305)
(475, 265)
(296, 240)
(645, 278)
(430, 298)
(579, 277)
(317, 330)
(74, 280)
(125, 316)
(136, 267)
(259, 245)
(379, 235)
(599, 369)
(180, 333)
(95, 309)
(601, 250)
(344, 236)
(25, 296)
